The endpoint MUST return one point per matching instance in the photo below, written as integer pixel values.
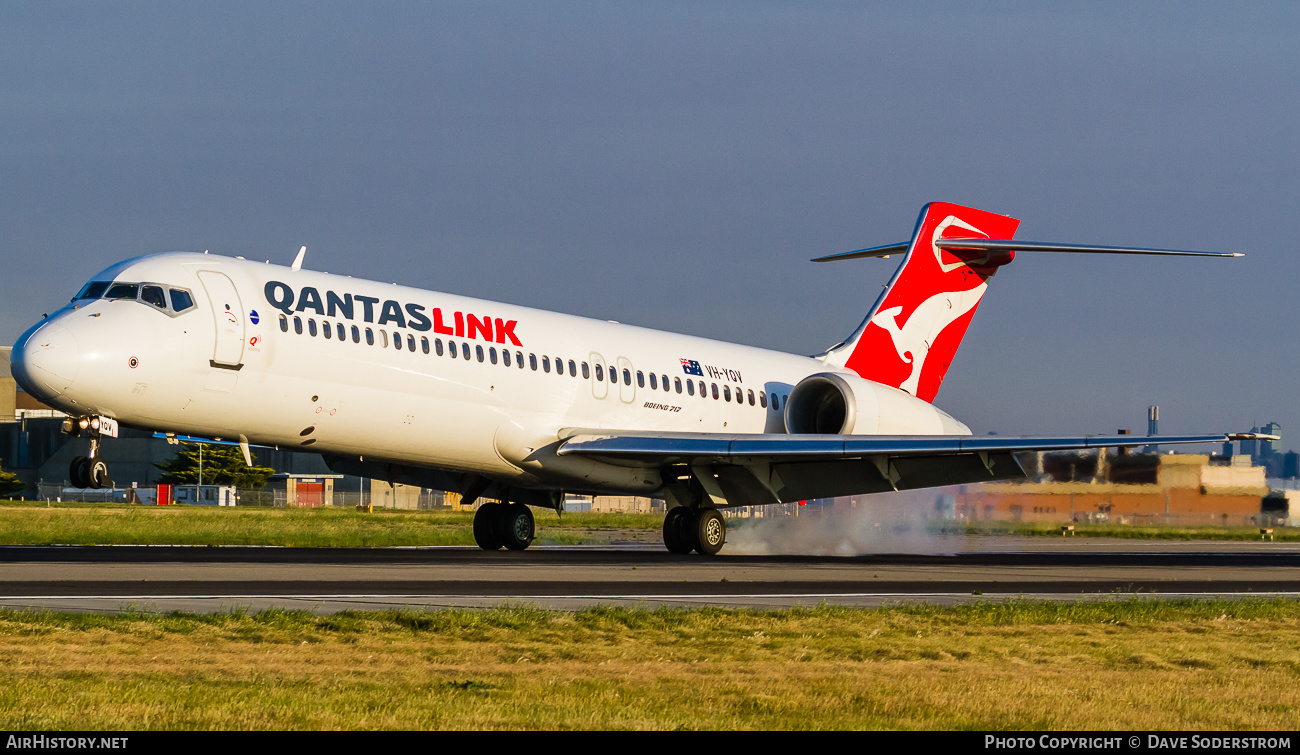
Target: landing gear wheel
(485, 527)
(675, 525)
(78, 473)
(97, 474)
(711, 532)
(516, 526)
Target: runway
(328, 580)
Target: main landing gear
(689, 529)
(503, 524)
(88, 471)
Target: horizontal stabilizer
(1007, 245)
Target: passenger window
(492, 355)
(370, 337)
(762, 399)
(326, 330)
(750, 396)
(342, 331)
(690, 388)
(505, 357)
(297, 325)
(573, 368)
(677, 384)
(153, 295)
(284, 324)
(715, 391)
(640, 379)
(600, 372)
(311, 327)
(479, 351)
(519, 359)
(410, 343)
(654, 382)
(627, 377)
(726, 392)
(122, 291)
(532, 361)
(356, 334)
(586, 371)
(383, 339)
(546, 363)
(181, 300)
(451, 349)
(424, 344)
(776, 403)
(464, 351)
(665, 383)
(437, 346)
(397, 341)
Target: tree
(222, 465)
(9, 483)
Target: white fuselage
(217, 369)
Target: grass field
(33, 523)
(1123, 665)
(38, 523)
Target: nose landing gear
(88, 471)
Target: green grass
(1129, 664)
(35, 523)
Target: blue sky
(675, 165)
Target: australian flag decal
(691, 367)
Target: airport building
(1187, 489)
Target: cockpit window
(181, 300)
(122, 291)
(93, 290)
(153, 295)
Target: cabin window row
(463, 351)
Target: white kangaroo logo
(944, 225)
(912, 340)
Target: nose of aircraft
(45, 360)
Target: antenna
(297, 261)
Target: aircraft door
(599, 388)
(626, 390)
(228, 313)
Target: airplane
(518, 406)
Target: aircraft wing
(760, 469)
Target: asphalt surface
(326, 580)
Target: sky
(675, 165)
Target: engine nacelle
(839, 404)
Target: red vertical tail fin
(912, 333)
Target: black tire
(517, 527)
(710, 532)
(97, 474)
(675, 525)
(485, 527)
(77, 472)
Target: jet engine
(831, 403)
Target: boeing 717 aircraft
(518, 405)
